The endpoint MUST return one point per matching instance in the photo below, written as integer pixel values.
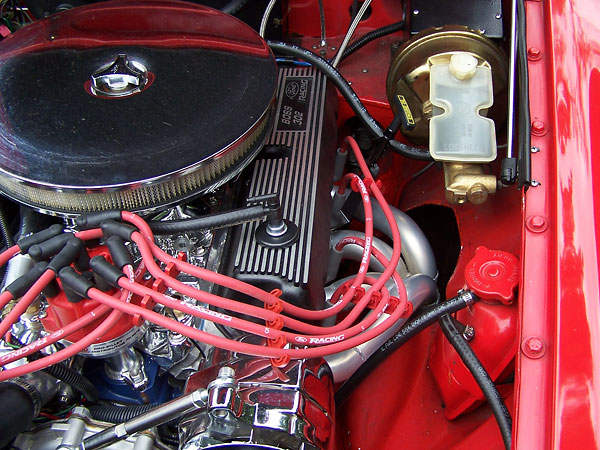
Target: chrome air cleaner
(130, 105)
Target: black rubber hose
(119, 414)
(407, 332)
(77, 381)
(168, 435)
(487, 386)
(5, 228)
(348, 93)
(31, 221)
(233, 6)
(212, 221)
(371, 36)
(18, 412)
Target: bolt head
(538, 128)
(226, 372)
(534, 53)
(469, 333)
(477, 194)
(533, 347)
(537, 224)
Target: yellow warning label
(409, 117)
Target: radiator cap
(493, 274)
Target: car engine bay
(289, 224)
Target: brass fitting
(467, 183)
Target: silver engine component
(253, 403)
(419, 288)
(69, 433)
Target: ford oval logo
(292, 89)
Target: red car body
(557, 372)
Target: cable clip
(359, 292)
(277, 305)
(276, 324)
(281, 361)
(355, 184)
(408, 309)
(146, 303)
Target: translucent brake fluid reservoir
(459, 91)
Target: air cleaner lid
(121, 95)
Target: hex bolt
(536, 224)
(468, 333)
(534, 54)
(538, 128)
(535, 183)
(226, 372)
(416, 12)
(477, 194)
(533, 347)
(535, 149)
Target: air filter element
(130, 105)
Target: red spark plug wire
(251, 310)
(5, 298)
(67, 352)
(6, 255)
(54, 337)
(376, 253)
(341, 343)
(258, 293)
(265, 296)
(341, 336)
(251, 327)
(71, 350)
(26, 301)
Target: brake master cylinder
(454, 82)
(458, 135)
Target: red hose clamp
(278, 342)
(280, 362)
